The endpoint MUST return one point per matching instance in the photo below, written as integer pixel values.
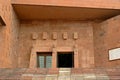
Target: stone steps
(64, 74)
(60, 74)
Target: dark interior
(65, 60)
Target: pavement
(60, 74)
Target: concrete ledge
(109, 4)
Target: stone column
(76, 57)
(54, 58)
(33, 59)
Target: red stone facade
(8, 36)
(24, 34)
(18, 38)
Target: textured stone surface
(106, 38)
(77, 77)
(8, 36)
(21, 74)
(51, 77)
(85, 37)
(94, 39)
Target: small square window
(44, 59)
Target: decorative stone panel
(34, 36)
(44, 37)
(54, 35)
(75, 35)
(65, 35)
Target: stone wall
(94, 39)
(106, 37)
(84, 41)
(8, 36)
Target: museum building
(54, 36)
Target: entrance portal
(65, 60)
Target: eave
(43, 10)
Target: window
(44, 59)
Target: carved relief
(44, 37)
(75, 35)
(65, 36)
(54, 35)
(34, 36)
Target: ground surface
(60, 74)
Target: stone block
(54, 35)
(27, 77)
(75, 35)
(77, 77)
(64, 78)
(53, 71)
(39, 77)
(41, 71)
(64, 72)
(89, 77)
(34, 36)
(65, 35)
(45, 35)
(114, 77)
(51, 77)
(102, 77)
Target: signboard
(114, 54)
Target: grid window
(44, 59)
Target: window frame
(45, 54)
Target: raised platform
(55, 74)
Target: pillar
(33, 59)
(76, 57)
(54, 58)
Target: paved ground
(60, 74)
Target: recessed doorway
(65, 60)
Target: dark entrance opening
(65, 60)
